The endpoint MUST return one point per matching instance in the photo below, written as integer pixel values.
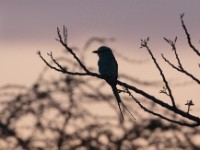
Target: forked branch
(180, 67)
(144, 44)
(58, 67)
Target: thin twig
(180, 66)
(60, 69)
(161, 103)
(146, 95)
(157, 114)
(173, 45)
(144, 44)
(71, 51)
(188, 36)
(182, 70)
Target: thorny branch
(159, 102)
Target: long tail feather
(128, 110)
(115, 92)
(121, 111)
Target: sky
(29, 26)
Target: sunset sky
(28, 26)
(59, 107)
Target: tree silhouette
(59, 112)
(193, 120)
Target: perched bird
(108, 68)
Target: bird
(108, 69)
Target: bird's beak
(95, 51)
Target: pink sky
(28, 26)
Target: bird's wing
(116, 66)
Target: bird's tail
(116, 93)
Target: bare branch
(189, 104)
(44, 60)
(173, 45)
(180, 66)
(188, 36)
(182, 70)
(60, 69)
(161, 103)
(65, 34)
(71, 51)
(166, 90)
(144, 45)
(157, 114)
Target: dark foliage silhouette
(56, 114)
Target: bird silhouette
(108, 69)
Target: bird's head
(102, 51)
